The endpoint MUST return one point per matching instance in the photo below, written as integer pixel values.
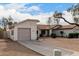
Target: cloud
(13, 9)
(34, 8)
(1, 7)
(22, 7)
(15, 6)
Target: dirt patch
(72, 44)
(11, 48)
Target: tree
(75, 12)
(4, 23)
(56, 19)
(59, 16)
(49, 23)
(76, 20)
(7, 22)
(10, 20)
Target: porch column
(46, 32)
(50, 31)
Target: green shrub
(53, 35)
(73, 35)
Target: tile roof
(43, 26)
(47, 26)
(57, 27)
(68, 26)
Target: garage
(24, 33)
(24, 30)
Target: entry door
(24, 34)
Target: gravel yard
(11, 48)
(72, 43)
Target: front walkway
(11, 48)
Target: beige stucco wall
(28, 24)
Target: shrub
(62, 32)
(73, 35)
(53, 35)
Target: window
(12, 32)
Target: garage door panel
(24, 34)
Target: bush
(73, 35)
(53, 35)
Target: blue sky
(44, 7)
(49, 7)
(37, 8)
(41, 11)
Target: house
(25, 30)
(30, 30)
(59, 30)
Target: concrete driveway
(72, 44)
(11, 48)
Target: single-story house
(25, 30)
(30, 30)
(59, 30)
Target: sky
(41, 11)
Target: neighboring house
(25, 30)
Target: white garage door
(24, 34)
